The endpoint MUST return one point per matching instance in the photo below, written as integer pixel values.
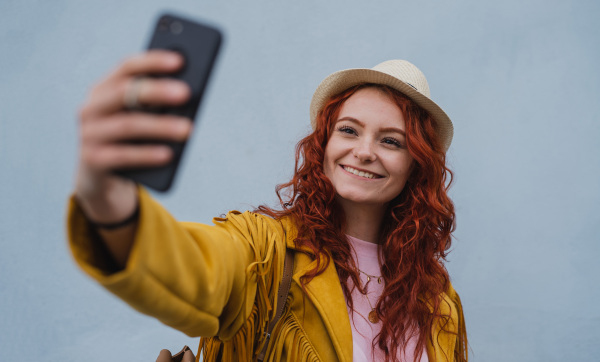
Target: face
(366, 158)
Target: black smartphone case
(199, 44)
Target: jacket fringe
(289, 340)
(239, 348)
(245, 345)
(290, 334)
(288, 337)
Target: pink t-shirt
(363, 331)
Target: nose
(364, 152)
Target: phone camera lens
(163, 24)
(176, 27)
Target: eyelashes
(347, 129)
(393, 142)
(388, 141)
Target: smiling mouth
(361, 173)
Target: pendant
(373, 317)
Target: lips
(361, 173)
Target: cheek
(401, 166)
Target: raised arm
(105, 123)
(197, 278)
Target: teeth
(359, 173)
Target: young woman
(366, 213)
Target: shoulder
(256, 226)
(450, 308)
(450, 330)
(241, 218)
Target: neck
(363, 221)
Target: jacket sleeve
(199, 279)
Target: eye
(347, 129)
(393, 142)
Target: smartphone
(199, 44)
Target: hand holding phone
(199, 45)
(141, 146)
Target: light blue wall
(519, 78)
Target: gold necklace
(369, 276)
(373, 317)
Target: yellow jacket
(222, 281)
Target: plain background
(519, 79)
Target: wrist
(131, 219)
(111, 206)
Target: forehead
(373, 106)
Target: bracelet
(119, 224)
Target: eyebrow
(362, 124)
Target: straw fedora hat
(397, 74)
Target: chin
(360, 200)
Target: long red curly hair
(415, 235)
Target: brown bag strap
(282, 293)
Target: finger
(161, 91)
(152, 61)
(136, 126)
(164, 356)
(118, 156)
(108, 98)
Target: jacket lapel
(325, 293)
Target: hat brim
(344, 79)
